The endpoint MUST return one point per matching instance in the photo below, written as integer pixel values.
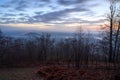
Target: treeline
(44, 50)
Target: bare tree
(46, 42)
(111, 18)
(1, 47)
(117, 33)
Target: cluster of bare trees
(110, 44)
(82, 49)
(44, 49)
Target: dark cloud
(47, 17)
(38, 13)
(57, 15)
(43, 0)
(21, 5)
(118, 0)
(5, 6)
(71, 2)
(7, 20)
(114, 0)
(8, 14)
(22, 14)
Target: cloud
(57, 15)
(93, 21)
(51, 17)
(7, 20)
(20, 4)
(71, 2)
(22, 14)
(5, 6)
(114, 0)
(9, 14)
(43, 0)
(38, 13)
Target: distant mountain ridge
(32, 34)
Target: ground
(53, 73)
(18, 73)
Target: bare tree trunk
(116, 41)
(112, 13)
(110, 44)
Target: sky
(53, 15)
